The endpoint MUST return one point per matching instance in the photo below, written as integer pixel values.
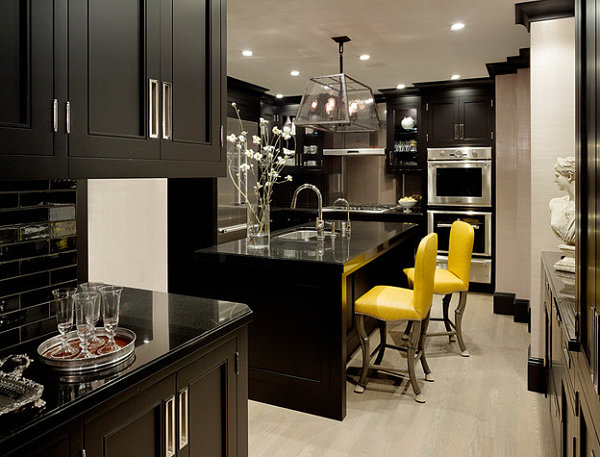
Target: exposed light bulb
(457, 26)
(247, 53)
(294, 72)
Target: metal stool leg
(421, 348)
(445, 305)
(407, 330)
(413, 341)
(458, 317)
(383, 340)
(364, 346)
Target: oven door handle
(444, 225)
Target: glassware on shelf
(63, 298)
(94, 287)
(84, 305)
(111, 299)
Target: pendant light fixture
(338, 103)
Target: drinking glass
(63, 297)
(84, 303)
(111, 299)
(94, 287)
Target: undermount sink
(302, 234)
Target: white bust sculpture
(562, 211)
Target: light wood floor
(477, 406)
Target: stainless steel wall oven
(459, 177)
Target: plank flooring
(477, 406)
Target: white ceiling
(409, 41)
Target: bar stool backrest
(425, 263)
(460, 250)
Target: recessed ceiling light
(365, 57)
(455, 77)
(401, 86)
(247, 53)
(294, 72)
(279, 96)
(457, 26)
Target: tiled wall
(37, 254)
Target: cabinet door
(192, 80)
(114, 80)
(476, 117)
(27, 90)
(140, 426)
(208, 406)
(442, 122)
(64, 441)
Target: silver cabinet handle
(170, 427)
(462, 131)
(55, 115)
(183, 418)
(167, 119)
(456, 131)
(153, 108)
(567, 357)
(68, 117)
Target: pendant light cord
(341, 51)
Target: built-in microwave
(440, 222)
(459, 177)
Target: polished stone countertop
(563, 286)
(366, 240)
(167, 327)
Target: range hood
(349, 152)
(338, 103)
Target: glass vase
(258, 231)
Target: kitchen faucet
(345, 229)
(319, 224)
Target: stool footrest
(442, 333)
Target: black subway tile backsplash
(24, 250)
(23, 216)
(9, 200)
(46, 198)
(9, 269)
(37, 254)
(63, 244)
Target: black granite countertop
(563, 286)
(366, 240)
(167, 327)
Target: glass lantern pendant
(338, 103)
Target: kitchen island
(184, 389)
(301, 293)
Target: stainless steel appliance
(459, 177)
(364, 208)
(481, 263)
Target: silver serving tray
(95, 363)
(16, 391)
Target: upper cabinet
(459, 116)
(138, 92)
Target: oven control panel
(459, 153)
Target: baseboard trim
(521, 307)
(536, 374)
(504, 303)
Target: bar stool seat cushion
(445, 282)
(388, 303)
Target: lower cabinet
(196, 407)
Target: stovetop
(369, 208)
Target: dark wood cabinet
(405, 149)
(138, 91)
(29, 104)
(64, 441)
(460, 120)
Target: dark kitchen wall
(37, 254)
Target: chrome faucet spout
(345, 230)
(319, 222)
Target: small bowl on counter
(407, 205)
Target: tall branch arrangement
(264, 160)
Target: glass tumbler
(84, 304)
(63, 298)
(111, 299)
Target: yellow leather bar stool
(454, 279)
(392, 304)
